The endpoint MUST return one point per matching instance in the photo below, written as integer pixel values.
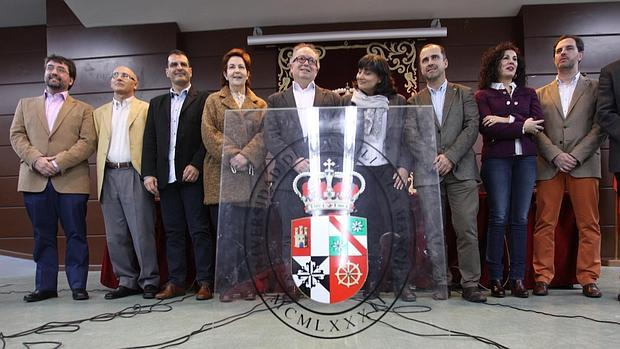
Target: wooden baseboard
(611, 262)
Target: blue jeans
(509, 183)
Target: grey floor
(508, 327)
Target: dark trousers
(182, 210)
(45, 209)
(509, 183)
(387, 212)
(232, 269)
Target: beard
(55, 83)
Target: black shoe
(39, 295)
(441, 292)
(150, 291)
(79, 294)
(121, 292)
(407, 295)
(473, 294)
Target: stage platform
(423, 324)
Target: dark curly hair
(490, 63)
(378, 65)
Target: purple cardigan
(498, 140)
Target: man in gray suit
(569, 159)
(456, 131)
(284, 137)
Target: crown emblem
(329, 190)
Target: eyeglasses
(59, 68)
(304, 59)
(116, 74)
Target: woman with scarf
(383, 162)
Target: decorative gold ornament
(400, 56)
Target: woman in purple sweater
(510, 116)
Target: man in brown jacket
(568, 159)
(53, 135)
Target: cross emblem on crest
(310, 274)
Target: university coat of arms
(329, 249)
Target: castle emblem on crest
(330, 248)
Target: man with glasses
(172, 160)
(284, 133)
(128, 209)
(53, 135)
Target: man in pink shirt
(53, 135)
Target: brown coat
(71, 140)
(578, 134)
(244, 134)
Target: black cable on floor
(204, 328)
(402, 311)
(73, 326)
(562, 316)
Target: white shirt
(566, 90)
(119, 150)
(176, 103)
(304, 98)
(438, 96)
(511, 119)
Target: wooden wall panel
(78, 42)
(584, 19)
(599, 51)
(8, 193)
(10, 95)
(94, 74)
(23, 67)
(9, 165)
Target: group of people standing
(174, 147)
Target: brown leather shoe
(497, 290)
(592, 291)
(204, 292)
(473, 294)
(517, 289)
(541, 288)
(170, 290)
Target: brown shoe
(541, 288)
(473, 294)
(170, 291)
(592, 291)
(204, 292)
(497, 290)
(517, 289)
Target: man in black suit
(608, 113)
(172, 158)
(285, 134)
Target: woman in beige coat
(232, 167)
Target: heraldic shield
(329, 250)
(330, 256)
